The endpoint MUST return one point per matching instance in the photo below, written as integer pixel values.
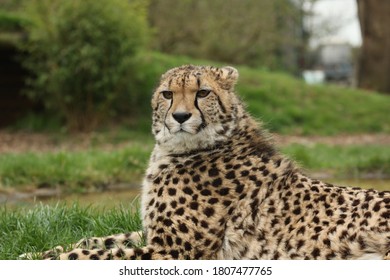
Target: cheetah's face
(193, 102)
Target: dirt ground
(21, 142)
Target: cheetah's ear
(228, 76)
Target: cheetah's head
(194, 107)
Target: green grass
(75, 171)
(289, 106)
(42, 227)
(342, 161)
(78, 171)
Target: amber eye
(167, 94)
(202, 93)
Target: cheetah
(217, 188)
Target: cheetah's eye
(167, 94)
(202, 93)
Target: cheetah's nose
(181, 117)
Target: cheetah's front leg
(144, 253)
(123, 241)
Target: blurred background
(76, 79)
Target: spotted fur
(216, 188)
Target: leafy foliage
(10, 21)
(81, 56)
(251, 32)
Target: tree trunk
(374, 64)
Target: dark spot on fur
(109, 243)
(157, 180)
(187, 246)
(329, 213)
(188, 191)
(196, 178)
(94, 257)
(85, 252)
(386, 215)
(183, 228)
(213, 172)
(169, 240)
(300, 244)
(162, 207)
(377, 207)
(315, 253)
(208, 211)
(146, 256)
(205, 192)
(230, 175)
(174, 254)
(202, 168)
(340, 200)
(194, 205)
(297, 211)
(172, 191)
(301, 230)
(120, 253)
(179, 211)
(73, 256)
(216, 182)
(224, 191)
(157, 240)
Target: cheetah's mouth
(181, 130)
(191, 128)
(184, 130)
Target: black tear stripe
(221, 105)
(203, 124)
(166, 114)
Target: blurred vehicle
(336, 61)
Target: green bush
(10, 21)
(81, 56)
(258, 33)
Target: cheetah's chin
(185, 141)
